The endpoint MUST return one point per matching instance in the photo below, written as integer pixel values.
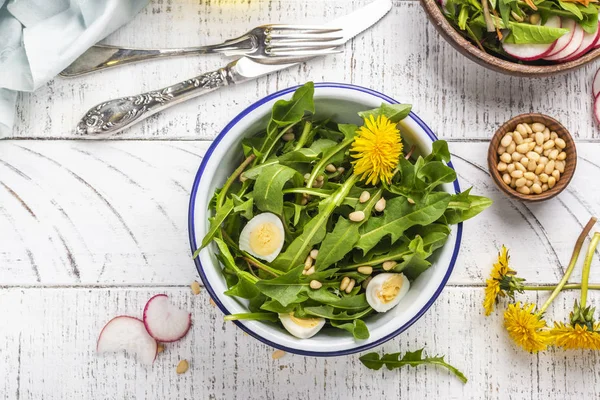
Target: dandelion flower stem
(570, 286)
(574, 257)
(585, 275)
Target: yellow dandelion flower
(525, 328)
(376, 148)
(574, 337)
(492, 289)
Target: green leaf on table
(400, 215)
(414, 359)
(521, 33)
(267, 189)
(286, 112)
(215, 223)
(357, 328)
(394, 112)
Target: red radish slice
(564, 40)
(165, 322)
(589, 40)
(571, 47)
(531, 52)
(129, 334)
(597, 109)
(596, 84)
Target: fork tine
(302, 45)
(303, 52)
(302, 28)
(304, 37)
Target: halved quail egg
(302, 328)
(263, 236)
(386, 290)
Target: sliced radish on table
(572, 47)
(596, 84)
(597, 109)
(165, 322)
(564, 40)
(588, 42)
(129, 334)
(532, 52)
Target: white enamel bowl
(341, 102)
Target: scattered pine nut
(304, 201)
(380, 205)
(182, 367)
(366, 270)
(277, 354)
(308, 262)
(364, 196)
(330, 168)
(160, 348)
(195, 287)
(288, 137)
(357, 216)
(350, 286)
(410, 201)
(344, 283)
(388, 265)
(314, 253)
(306, 176)
(310, 271)
(315, 284)
(341, 170)
(212, 302)
(320, 178)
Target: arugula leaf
(229, 262)
(521, 33)
(439, 152)
(258, 316)
(357, 328)
(329, 313)
(277, 307)
(415, 358)
(244, 207)
(285, 289)
(338, 243)
(254, 172)
(463, 206)
(215, 224)
(434, 173)
(286, 112)
(400, 215)
(268, 187)
(244, 289)
(394, 112)
(348, 130)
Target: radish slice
(564, 40)
(165, 322)
(596, 84)
(571, 47)
(129, 334)
(597, 109)
(589, 40)
(531, 52)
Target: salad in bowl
(323, 219)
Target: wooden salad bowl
(553, 125)
(494, 62)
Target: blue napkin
(40, 38)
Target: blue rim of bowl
(194, 246)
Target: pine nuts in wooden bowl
(532, 157)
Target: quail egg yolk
(265, 239)
(390, 289)
(305, 322)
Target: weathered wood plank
(402, 56)
(106, 212)
(49, 335)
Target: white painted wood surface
(92, 229)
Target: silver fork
(261, 43)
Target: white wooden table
(92, 229)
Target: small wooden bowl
(554, 126)
(494, 62)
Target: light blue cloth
(40, 38)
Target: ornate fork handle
(115, 115)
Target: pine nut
(544, 178)
(315, 284)
(516, 156)
(411, 201)
(528, 183)
(546, 134)
(388, 265)
(524, 161)
(553, 154)
(538, 127)
(277, 354)
(511, 148)
(304, 201)
(366, 270)
(520, 167)
(344, 283)
(510, 168)
(546, 152)
(195, 287)
(330, 168)
(517, 174)
(506, 157)
(160, 348)
(308, 262)
(320, 178)
(523, 190)
(539, 169)
(380, 205)
(538, 149)
(548, 145)
(506, 140)
(520, 182)
(506, 178)
(544, 160)
(513, 182)
(529, 130)
(531, 145)
(502, 166)
(288, 137)
(551, 182)
(341, 170)
(306, 177)
(537, 189)
(539, 138)
(553, 136)
(531, 166)
(560, 166)
(523, 148)
(528, 140)
(532, 155)
(517, 137)
(356, 216)
(529, 176)
(350, 286)
(182, 367)
(561, 144)
(561, 156)
(521, 129)
(545, 187)
(364, 196)
(556, 174)
(549, 167)
(314, 253)
(310, 271)
(501, 150)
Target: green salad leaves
(300, 168)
